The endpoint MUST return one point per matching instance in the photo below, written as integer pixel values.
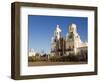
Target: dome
(58, 28)
(73, 25)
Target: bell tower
(71, 40)
(57, 33)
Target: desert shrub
(30, 59)
(83, 56)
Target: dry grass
(47, 63)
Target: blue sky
(41, 29)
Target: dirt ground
(53, 63)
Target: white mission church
(64, 46)
(71, 44)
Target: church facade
(71, 44)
